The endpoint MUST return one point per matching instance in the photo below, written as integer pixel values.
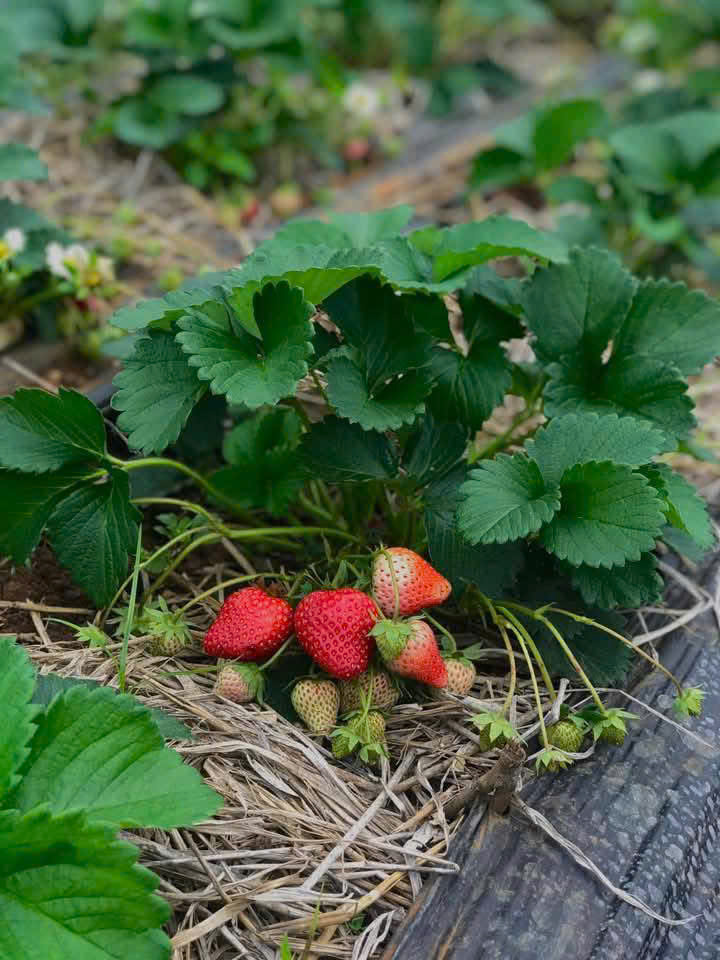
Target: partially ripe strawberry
(357, 149)
(316, 702)
(240, 682)
(251, 625)
(333, 627)
(410, 650)
(287, 200)
(383, 692)
(419, 585)
(461, 676)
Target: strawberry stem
(533, 647)
(573, 660)
(500, 624)
(277, 654)
(533, 679)
(628, 643)
(230, 583)
(451, 646)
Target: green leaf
(468, 388)
(71, 889)
(559, 129)
(486, 321)
(608, 515)
(505, 499)
(687, 510)
(18, 162)
(605, 659)
(633, 386)
(93, 530)
(578, 307)
(650, 156)
(265, 470)
(156, 392)
(468, 244)
(503, 292)
(697, 133)
(433, 450)
(342, 452)
(499, 167)
(246, 369)
(101, 751)
(40, 431)
(185, 93)
(388, 408)
(579, 438)
(143, 124)
(492, 568)
(632, 585)
(364, 229)
(26, 503)
(670, 323)
(379, 324)
(17, 679)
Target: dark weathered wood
(647, 813)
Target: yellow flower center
(5, 251)
(93, 277)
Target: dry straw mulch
(330, 854)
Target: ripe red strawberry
(410, 650)
(461, 676)
(251, 625)
(316, 702)
(333, 627)
(240, 682)
(419, 585)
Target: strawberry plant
(354, 366)
(643, 181)
(72, 773)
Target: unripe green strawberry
(612, 735)
(565, 736)
(317, 703)
(363, 733)
(383, 692)
(461, 674)
(240, 682)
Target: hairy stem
(533, 647)
(533, 680)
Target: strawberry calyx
(391, 637)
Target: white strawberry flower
(15, 239)
(63, 261)
(361, 100)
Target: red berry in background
(333, 627)
(419, 585)
(251, 625)
(249, 209)
(357, 150)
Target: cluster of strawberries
(340, 629)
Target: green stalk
(628, 643)
(131, 608)
(573, 660)
(533, 647)
(452, 646)
(513, 669)
(536, 690)
(229, 583)
(183, 504)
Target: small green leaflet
(76, 891)
(634, 386)
(609, 515)
(264, 469)
(434, 449)
(364, 229)
(27, 503)
(632, 585)
(185, 93)
(342, 452)
(505, 499)
(247, 370)
(670, 323)
(93, 530)
(491, 567)
(468, 388)
(389, 408)
(579, 438)
(40, 431)
(559, 129)
(467, 244)
(18, 162)
(577, 307)
(101, 751)
(686, 510)
(156, 392)
(17, 679)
